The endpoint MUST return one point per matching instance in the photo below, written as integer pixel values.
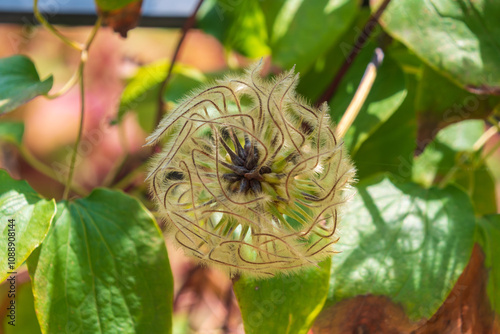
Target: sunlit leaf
(283, 304)
(301, 31)
(103, 268)
(391, 147)
(141, 93)
(238, 25)
(456, 38)
(32, 216)
(405, 242)
(386, 95)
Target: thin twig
(79, 136)
(187, 26)
(358, 45)
(51, 28)
(81, 66)
(361, 93)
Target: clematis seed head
(251, 178)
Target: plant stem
(113, 173)
(71, 82)
(44, 169)
(361, 93)
(80, 130)
(81, 66)
(358, 45)
(484, 138)
(52, 29)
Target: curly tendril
(251, 178)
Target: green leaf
(103, 268)
(26, 321)
(107, 5)
(451, 36)
(285, 303)
(321, 73)
(488, 236)
(387, 94)
(450, 158)
(12, 132)
(19, 82)
(405, 242)
(32, 217)
(440, 102)
(141, 93)
(238, 25)
(477, 180)
(391, 147)
(300, 31)
(442, 154)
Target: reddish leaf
(123, 19)
(466, 310)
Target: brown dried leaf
(466, 310)
(124, 19)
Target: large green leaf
(32, 216)
(19, 82)
(285, 303)
(12, 132)
(405, 242)
(457, 38)
(313, 82)
(300, 31)
(488, 236)
(386, 95)
(238, 25)
(103, 268)
(141, 93)
(391, 147)
(441, 102)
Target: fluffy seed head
(251, 179)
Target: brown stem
(161, 104)
(187, 25)
(358, 45)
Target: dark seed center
(244, 163)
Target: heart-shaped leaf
(25, 218)
(103, 268)
(405, 242)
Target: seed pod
(251, 179)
